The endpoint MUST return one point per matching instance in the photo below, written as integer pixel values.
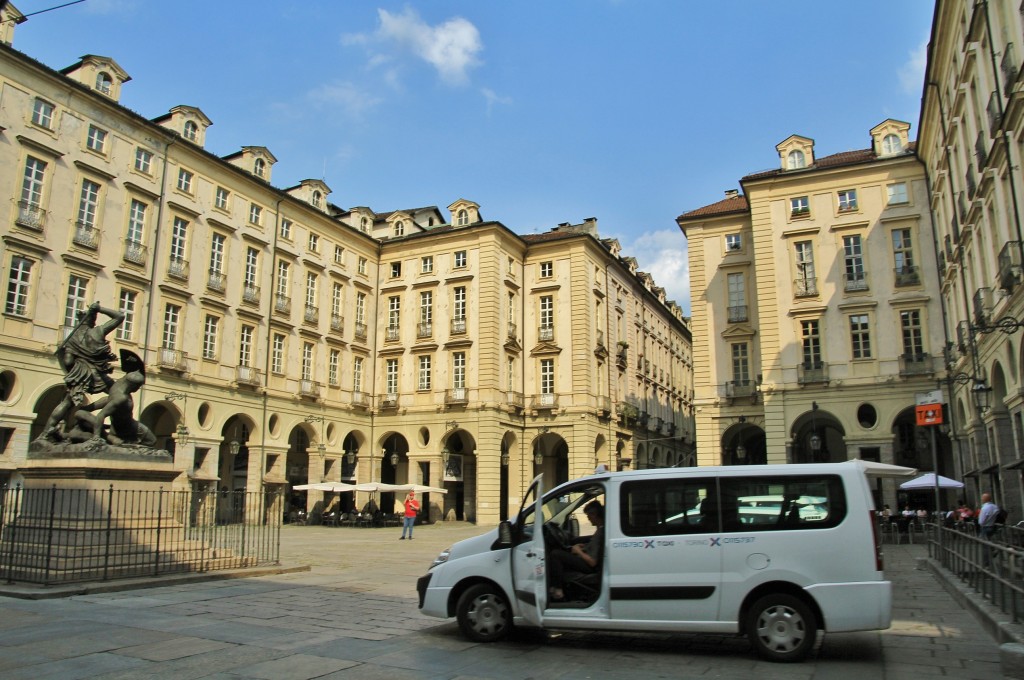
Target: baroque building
(970, 141)
(816, 319)
(289, 340)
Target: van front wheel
(483, 613)
(781, 628)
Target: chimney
(732, 193)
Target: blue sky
(541, 111)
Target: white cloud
(493, 98)
(911, 74)
(344, 96)
(662, 254)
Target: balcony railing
(982, 306)
(546, 333)
(247, 375)
(512, 331)
(424, 329)
(392, 333)
(311, 314)
(309, 388)
(805, 286)
(514, 399)
(600, 339)
(972, 185)
(737, 313)
(134, 252)
(360, 331)
(1009, 67)
(981, 149)
(812, 372)
(282, 303)
(854, 281)
(456, 395)
(994, 116)
(360, 398)
(178, 268)
(915, 364)
(458, 325)
(604, 406)
(337, 323)
(544, 401)
(30, 216)
(251, 294)
(1010, 265)
(739, 388)
(389, 400)
(174, 359)
(216, 281)
(909, 275)
(86, 236)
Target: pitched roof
(732, 204)
(835, 160)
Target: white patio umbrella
(336, 487)
(927, 481)
(418, 488)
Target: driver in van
(583, 556)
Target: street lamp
(815, 439)
(234, 446)
(181, 432)
(350, 456)
(981, 393)
(504, 458)
(321, 449)
(395, 458)
(741, 453)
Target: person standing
(987, 517)
(412, 508)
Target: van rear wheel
(483, 613)
(782, 628)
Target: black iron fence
(52, 536)
(994, 568)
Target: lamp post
(741, 454)
(181, 433)
(815, 439)
(321, 449)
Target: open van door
(529, 576)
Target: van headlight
(442, 558)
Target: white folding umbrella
(418, 488)
(336, 487)
(927, 481)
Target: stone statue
(119, 407)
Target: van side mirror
(504, 535)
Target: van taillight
(878, 546)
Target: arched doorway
(394, 467)
(551, 457)
(460, 475)
(744, 443)
(818, 437)
(233, 469)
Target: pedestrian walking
(412, 508)
(987, 517)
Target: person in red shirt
(412, 508)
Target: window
(737, 297)
(546, 270)
(339, 256)
(87, 203)
(360, 309)
(459, 306)
(210, 329)
(891, 144)
(806, 281)
(810, 339)
(364, 225)
(361, 265)
(185, 180)
(126, 302)
(252, 259)
(143, 160)
(172, 317)
(357, 374)
(903, 251)
(391, 377)
(307, 361)
(283, 270)
(460, 259)
(669, 507)
(458, 370)
(104, 83)
(312, 280)
(426, 264)
(847, 200)
(547, 376)
(337, 299)
(423, 382)
(32, 183)
(510, 377)
(860, 336)
(462, 219)
(897, 193)
(399, 228)
(799, 207)
(913, 334)
(547, 315)
(220, 200)
(426, 311)
(740, 363)
(396, 270)
(259, 167)
(333, 359)
(96, 140)
(795, 160)
(733, 242)
(179, 240)
(394, 311)
(75, 302)
(795, 503)
(216, 254)
(42, 113)
(245, 340)
(190, 131)
(313, 243)
(255, 214)
(285, 232)
(318, 199)
(856, 277)
(277, 354)
(18, 280)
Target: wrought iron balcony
(309, 388)
(360, 399)
(737, 313)
(458, 325)
(1010, 265)
(909, 275)
(512, 331)
(812, 372)
(739, 388)
(546, 333)
(177, 268)
(545, 401)
(360, 331)
(424, 329)
(1009, 66)
(854, 281)
(805, 286)
(389, 400)
(311, 314)
(247, 375)
(456, 395)
(30, 216)
(604, 406)
(392, 333)
(600, 338)
(134, 252)
(982, 306)
(86, 236)
(216, 281)
(337, 323)
(515, 399)
(981, 150)
(916, 364)
(282, 304)
(251, 294)
(174, 359)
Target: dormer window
(190, 131)
(796, 160)
(463, 218)
(259, 168)
(891, 144)
(318, 199)
(399, 228)
(104, 83)
(364, 225)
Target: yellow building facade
(971, 137)
(816, 318)
(289, 340)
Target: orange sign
(929, 414)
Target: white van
(775, 551)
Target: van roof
(868, 468)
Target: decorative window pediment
(796, 152)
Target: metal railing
(994, 568)
(53, 535)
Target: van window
(782, 503)
(668, 506)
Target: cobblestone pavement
(353, 615)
